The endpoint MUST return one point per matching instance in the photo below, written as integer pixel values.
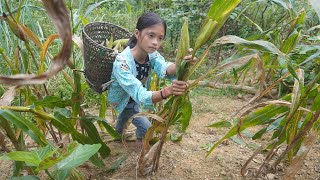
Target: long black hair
(146, 20)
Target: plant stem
(50, 176)
(32, 55)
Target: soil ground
(187, 158)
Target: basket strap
(90, 82)
(106, 85)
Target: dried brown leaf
(259, 96)
(8, 96)
(297, 162)
(58, 13)
(26, 31)
(44, 49)
(79, 42)
(261, 74)
(144, 114)
(146, 164)
(296, 92)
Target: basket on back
(98, 59)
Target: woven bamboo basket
(98, 59)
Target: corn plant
(38, 111)
(293, 119)
(178, 109)
(63, 161)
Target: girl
(131, 74)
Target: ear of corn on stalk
(183, 45)
(205, 33)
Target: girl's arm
(177, 88)
(171, 70)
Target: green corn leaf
(45, 152)
(235, 74)
(277, 132)
(186, 111)
(182, 69)
(292, 71)
(316, 6)
(25, 61)
(17, 168)
(63, 123)
(219, 12)
(29, 177)
(61, 174)
(259, 134)
(34, 157)
(81, 154)
(221, 124)
(29, 157)
(237, 140)
(117, 163)
(111, 130)
(315, 96)
(93, 134)
(103, 106)
(74, 174)
(260, 45)
(56, 156)
(97, 161)
(259, 117)
(275, 124)
(93, 7)
(108, 127)
(247, 133)
(282, 3)
(205, 34)
(290, 42)
(52, 102)
(24, 124)
(316, 103)
(6, 58)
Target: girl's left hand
(188, 57)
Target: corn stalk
(179, 108)
(37, 106)
(294, 118)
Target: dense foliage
(266, 44)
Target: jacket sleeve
(159, 65)
(131, 84)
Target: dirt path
(186, 159)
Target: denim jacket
(126, 85)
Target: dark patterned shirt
(143, 72)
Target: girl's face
(150, 39)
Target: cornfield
(282, 59)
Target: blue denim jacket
(126, 85)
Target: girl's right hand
(177, 88)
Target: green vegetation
(269, 45)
